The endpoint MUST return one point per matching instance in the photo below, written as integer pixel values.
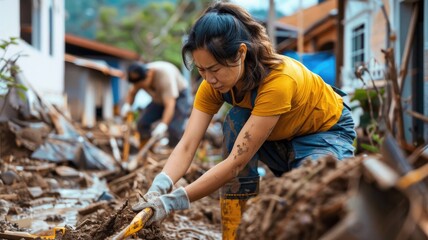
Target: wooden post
(300, 35)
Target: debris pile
(56, 174)
(38, 195)
(302, 204)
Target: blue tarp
(321, 63)
(115, 81)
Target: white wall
(9, 18)
(356, 13)
(44, 71)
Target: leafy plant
(8, 71)
(373, 118)
(368, 100)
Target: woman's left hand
(164, 205)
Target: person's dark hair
(139, 70)
(221, 30)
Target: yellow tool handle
(139, 221)
(126, 146)
(16, 235)
(24, 235)
(136, 224)
(55, 231)
(413, 177)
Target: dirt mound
(302, 204)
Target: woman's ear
(242, 51)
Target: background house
(318, 23)
(364, 35)
(102, 56)
(368, 27)
(39, 25)
(318, 26)
(88, 85)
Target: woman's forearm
(179, 161)
(251, 137)
(210, 181)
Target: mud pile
(38, 195)
(302, 204)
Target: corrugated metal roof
(98, 65)
(100, 47)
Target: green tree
(155, 30)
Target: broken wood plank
(11, 196)
(92, 208)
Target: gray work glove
(164, 205)
(159, 130)
(162, 184)
(126, 108)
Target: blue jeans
(282, 156)
(153, 112)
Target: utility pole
(271, 23)
(300, 34)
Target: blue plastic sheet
(321, 63)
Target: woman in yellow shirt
(282, 114)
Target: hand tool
(24, 235)
(136, 224)
(126, 146)
(113, 143)
(134, 161)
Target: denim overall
(282, 156)
(154, 111)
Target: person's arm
(182, 155)
(252, 136)
(126, 107)
(131, 94)
(169, 108)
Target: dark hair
(221, 30)
(138, 69)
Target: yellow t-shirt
(305, 103)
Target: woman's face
(222, 78)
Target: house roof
(311, 15)
(97, 65)
(317, 19)
(85, 47)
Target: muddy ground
(38, 195)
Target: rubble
(61, 175)
(302, 204)
(83, 196)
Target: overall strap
(228, 97)
(342, 94)
(253, 97)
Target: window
(51, 27)
(358, 45)
(30, 22)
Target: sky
(287, 7)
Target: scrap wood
(140, 158)
(396, 110)
(310, 200)
(11, 196)
(72, 138)
(42, 168)
(149, 171)
(113, 144)
(92, 207)
(126, 136)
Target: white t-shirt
(167, 81)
